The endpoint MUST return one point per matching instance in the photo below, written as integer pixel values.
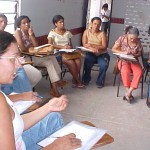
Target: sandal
(127, 98)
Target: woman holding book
(96, 41)
(129, 44)
(21, 132)
(61, 39)
(26, 39)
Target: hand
(21, 60)
(58, 104)
(68, 142)
(30, 31)
(87, 45)
(31, 96)
(67, 46)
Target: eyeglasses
(12, 58)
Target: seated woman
(129, 44)
(27, 76)
(61, 39)
(95, 40)
(26, 38)
(22, 132)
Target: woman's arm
(55, 104)
(20, 42)
(26, 96)
(7, 140)
(32, 37)
(117, 49)
(51, 41)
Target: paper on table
(88, 135)
(67, 50)
(38, 47)
(84, 49)
(21, 106)
(130, 57)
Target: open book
(67, 50)
(84, 49)
(87, 134)
(124, 56)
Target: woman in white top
(12, 125)
(61, 39)
(105, 16)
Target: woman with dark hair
(95, 40)
(61, 39)
(129, 44)
(26, 39)
(105, 17)
(21, 132)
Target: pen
(39, 96)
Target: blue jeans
(20, 84)
(90, 60)
(48, 125)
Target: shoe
(81, 86)
(148, 102)
(127, 98)
(54, 93)
(100, 86)
(62, 83)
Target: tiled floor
(129, 124)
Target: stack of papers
(67, 50)
(84, 49)
(124, 56)
(87, 134)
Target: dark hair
(3, 16)
(19, 19)
(96, 18)
(105, 6)
(57, 18)
(133, 30)
(5, 40)
(126, 30)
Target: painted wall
(116, 29)
(41, 13)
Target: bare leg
(74, 69)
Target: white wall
(41, 13)
(118, 11)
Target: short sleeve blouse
(122, 41)
(60, 39)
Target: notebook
(87, 134)
(67, 50)
(84, 49)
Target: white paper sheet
(129, 57)
(38, 47)
(21, 106)
(67, 50)
(88, 135)
(84, 49)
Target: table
(106, 139)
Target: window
(11, 9)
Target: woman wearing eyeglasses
(129, 44)
(21, 132)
